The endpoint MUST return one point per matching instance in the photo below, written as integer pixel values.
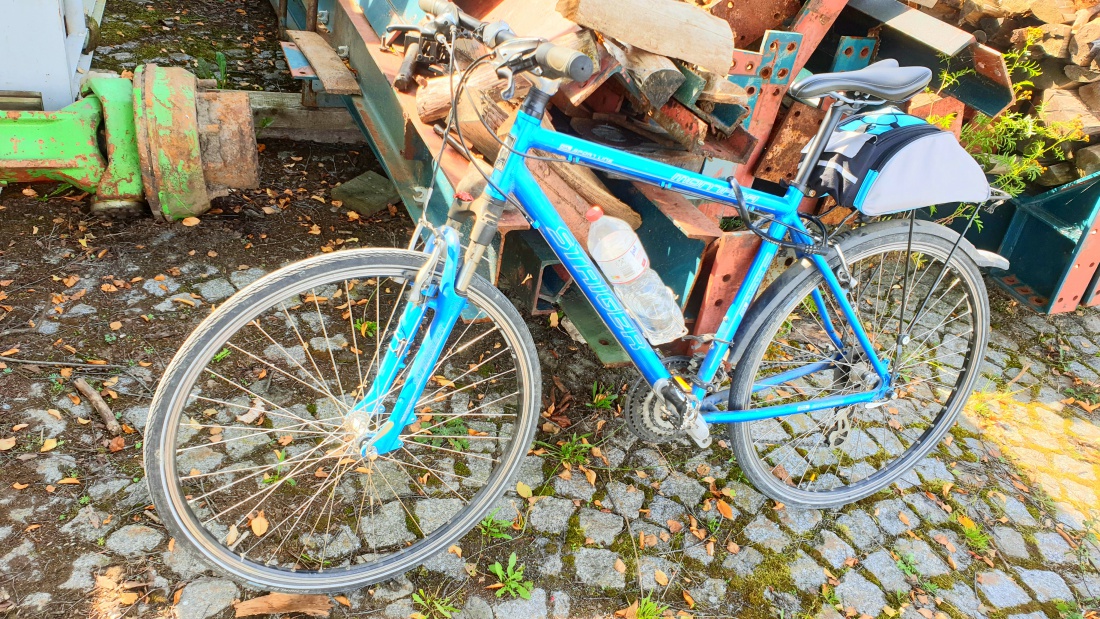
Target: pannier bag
(887, 161)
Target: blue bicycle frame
(511, 176)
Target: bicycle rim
(258, 471)
(834, 456)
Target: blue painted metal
(1053, 245)
(296, 62)
(853, 53)
(446, 305)
(773, 65)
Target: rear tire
(836, 456)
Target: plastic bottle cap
(593, 213)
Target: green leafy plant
(366, 328)
(1013, 144)
(221, 355)
(573, 450)
(434, 607)
(649, 609)
(603, 396)
(493, 528)
(907, 565)
(218, 70)
(453, 433)
(511, 579)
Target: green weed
(511, 578)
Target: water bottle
(623, 260)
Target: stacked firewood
(647, 54)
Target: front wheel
(831, 457)
(247, 452)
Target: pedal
(699, 431)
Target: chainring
(646, 415)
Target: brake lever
(505, 72)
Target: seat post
(817, 145)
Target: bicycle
(847, 369)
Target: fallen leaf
(725, 509)
(232, 536)
(687, 598)
(9, 352)
(732, 548)
(285, 440)
(115, 326)
(620, 567)
(523, 490)
(253, 413)
(455, 550)
(19, 426)
(48, 445)
(343, 599)
(127, 598)
(675, 526)
(661, 578)
(191, 221)
(947, 488)
(69, 481)
(903, 518)
(117, 444)
(259, 525)
(7, 443)
(32, 528)
(19, 486)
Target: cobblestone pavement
(998, 522)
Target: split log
(665, 27)
(655, 77)
(433, 100)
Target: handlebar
(555, 61)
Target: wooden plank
(684, 214)
(656, 77)
(336, 78)
(666, 27)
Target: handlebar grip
(558, 62)
(434, 7)
(405, 75)
(445, 7)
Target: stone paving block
(799, 521)
(927, 562)
(551, 515)
(886, 571)
(860, 529)
(1000, 590)
(959, 555)
(1016, 511)
(744, 562)
(661, 510)
(519, 608)
(806, 574)
(856, 591)
(1045, 585)
(834, 550)
(1032, 615)
(647, 570)
(963, 598)
(596, 567)
(745, 497)
(931, 469)
(887, 513)
(924, 506)
(1053, 548)
(711, 593)
(576, 487)
(656, 536)
(680, 486)
(1010, 542)
(652, 462)
(694, 549)
(764, 532)
(205, 597)
(601, 527)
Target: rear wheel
(248, 457)
(832, 457)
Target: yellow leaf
(115, 326)
(620, 567)
(903, 518)
(233, 535)
(455, 550)
(69, 480)
(343, 600)
(661, 578)
(19, 486)
(7, 443)
(82, 421)
(191, 221)
(259, 524)
(48, 444)
(523, 490)
(966, 522)
(725, 509)
(19, 426)
(9, 352)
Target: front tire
(247, 427)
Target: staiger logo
(565, 149)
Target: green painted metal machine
(160, 139)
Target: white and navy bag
(887, 161)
